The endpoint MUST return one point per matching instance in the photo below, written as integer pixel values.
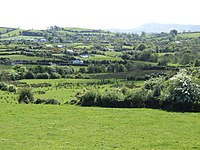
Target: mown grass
(72, 127)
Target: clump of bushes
(136, 98)
(88, 99)
(47, 101)
(182, 93)
(179, 93)
(110, 98)
(7, 87)
(26, 96)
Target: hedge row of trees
(117, 67)
(179, 93)
(38, 72)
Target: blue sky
(97, 14)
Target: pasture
(24, 57)
(189, 35)
(60, 89)
(12, 33)
(101, 58)
(70, 127)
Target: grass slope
(69, 127)
(12, 33)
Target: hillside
(158, 28)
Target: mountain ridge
(158, 28)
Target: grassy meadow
(101, 58)
(189, 35)
(24, 57)
(70, 127)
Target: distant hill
(158, 28)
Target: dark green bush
(5, 87)
(88, 99)
(136, 99)
(42, 76)
(26, 96)
(55, 75)
(52, 101)
(47, 101)
(29, 75)
(112, 98)
(12, 88)
(40, 101)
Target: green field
(189, 35)
(22, 37)
(61, 89)
(113, 53)
(5, 67)
(72, 127)
(12, 33)
(23, 57)
(101, 58)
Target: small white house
(77, 62)
(59, 46)
(84, 56)
(70, 51)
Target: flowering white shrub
(182, 89)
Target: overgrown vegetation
(113, 58)
(178, 93)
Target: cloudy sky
(97, 14)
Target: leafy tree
(173, 32)
(29, 75)
(111, 98)
(197, 63)
(55, 75)
(136, 99)
(141, 47)
(88, 99)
